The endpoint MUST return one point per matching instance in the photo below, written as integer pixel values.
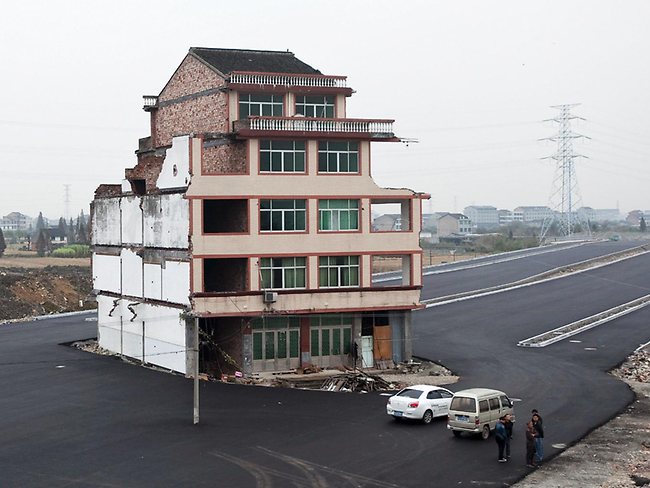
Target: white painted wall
(153, 281)
(131, 273)
(106, 273)
(166, 221)
(161, 330)
(131, 220)
(176, 282)
(175, 172)
(106, 222)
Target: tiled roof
(229, 60)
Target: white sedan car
(419, 402)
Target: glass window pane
(354, 220)
(315, 346)
(325, 220)
(257, 345)
(276, 221)
(336, 342)
(347, 340)
(300, 278)
(325, 342)
(269, 343)
(294, 343)
(301, 220)
(282, 344)
(265, 220)
(289, 221)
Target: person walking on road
(538, 424)
(500, 436)
(530, 445)
(507, 423)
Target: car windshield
(463, 404)
(410, 393)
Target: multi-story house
(15, 221)
(485, 216)
(534, 213)
(453, 223)
(249, 215)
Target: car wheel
(427, 417)
(485, 433)
(456, 433)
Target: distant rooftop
(228, 60)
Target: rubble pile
(636, 368)
(91, 345)
(357, 381)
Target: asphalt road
(70, 418)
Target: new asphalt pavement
(71, 419)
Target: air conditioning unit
(270, 297)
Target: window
(282, 156)
(494, 403)
(315, 106)
(463, 404)
(483, 406)
(337, 271)
(279, 273)
(338, 157)
(334, 215)
(275, 338)
(267, 105)
(434, 395)
(282, 215)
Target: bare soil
(28, 292)
(14, 258)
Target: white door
(367, 358)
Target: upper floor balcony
(367, 129)
(289, 81)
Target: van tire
(427, 417)
(485, 433)
(456, 433)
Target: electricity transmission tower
(565, 198)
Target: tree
(40, 223)
(42, 243)
(63, 227)
(3, 246)
(642, 224)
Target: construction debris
(636, 368)
(357, 381)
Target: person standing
(507, 423)
(530, 445)
(538, 424)
(500, 436)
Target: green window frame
(283, 215)
(268, 105)
(283, 273)
(338, 271)
(270, 338)
(338, 157)
(282, 156)
(338, 215)
(317, 106)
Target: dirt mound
(26, 292)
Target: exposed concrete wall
(166, 221)
(106, 221)
(150, 333)
(131, 220)
(175, 172)
(106, 273)
(131, 265)
(176, 282)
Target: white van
(477, 410)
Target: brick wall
(148, 169)
(184, 109)
(226, 159)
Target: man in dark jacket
(538, 424)
(500, 436)
(507, 423)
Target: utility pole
(196, 370)
(565, 197)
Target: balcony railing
(376, 128)
(150, 100)
(288, 79)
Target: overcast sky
(472, 81)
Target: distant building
(454, 223)
(634, 217)
(482, 215)
(508, 216)
(16, 221)
(531, 214)
(599, 214)
(387, 222)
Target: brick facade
(226, 159)
(190, 103)
(148, 169)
